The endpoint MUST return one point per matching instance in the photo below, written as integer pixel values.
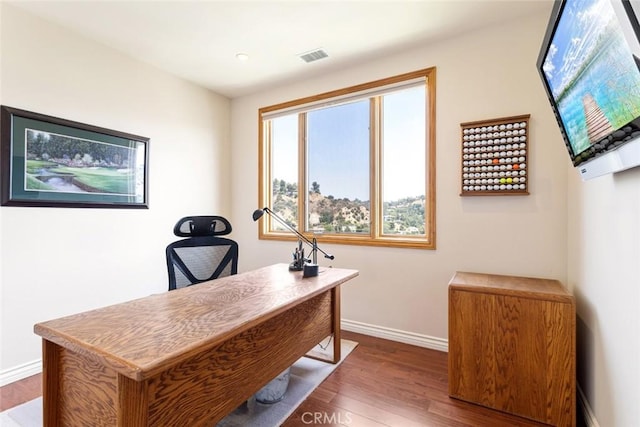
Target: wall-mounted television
(589, 63)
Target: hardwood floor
(381, 383)
(20, 391)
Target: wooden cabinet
(512, 344)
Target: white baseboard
(587, 412)
(19, 372)
(396, 335)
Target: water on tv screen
(592, 73)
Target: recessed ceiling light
(242, 57)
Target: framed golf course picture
(53, 162)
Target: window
(353, 166)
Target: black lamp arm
(258, 214)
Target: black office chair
(203, 255)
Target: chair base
(275, 390)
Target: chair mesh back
(203, 255)
(202, 262)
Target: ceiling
(199, 40)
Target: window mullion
(266, 161)
(302, 173)
(375, 197)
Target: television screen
(589, 63)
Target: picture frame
(52, 162)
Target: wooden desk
(186, 357)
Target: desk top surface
(138, 337)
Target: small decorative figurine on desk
(298, 258)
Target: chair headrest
(191, 226)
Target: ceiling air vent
(313, 55)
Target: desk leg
(50, 366)
(133, 402)
(334, 313)
(335, 297)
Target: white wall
(604, 273)
(484, 75)
(1, 237)
(59, 261)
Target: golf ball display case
(495, 157)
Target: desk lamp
(309, 266)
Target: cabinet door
(514, 354)
(521, 352)
(472, 362)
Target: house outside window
(353, 166)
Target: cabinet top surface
(511, 285)
(139, 336)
